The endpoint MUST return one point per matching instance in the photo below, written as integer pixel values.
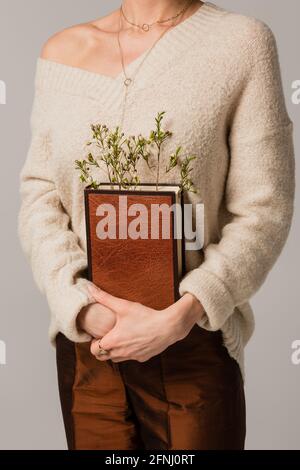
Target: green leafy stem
(119, 156)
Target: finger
(96, 349)
(110, 301)
(114, 360)
(123, 359)
(111, 340)
(102, 358)
(117, 355)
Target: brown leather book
(135, 252)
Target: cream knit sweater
(217, 76)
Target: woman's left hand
(141, 332)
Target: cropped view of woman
(131, 377)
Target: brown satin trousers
(191, 396)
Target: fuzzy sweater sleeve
(259, 191)
(56, 258)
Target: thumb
(104, 298)
(110, 340)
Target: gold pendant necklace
(146, 26)
(128, 81)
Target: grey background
(29, 407)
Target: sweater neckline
(79, 81)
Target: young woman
(131, 377)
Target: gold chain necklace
(129, 80)
(146, 26)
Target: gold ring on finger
(102, 352)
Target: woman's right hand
(96, 320)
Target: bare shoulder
(68, 45)
(63, 46)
